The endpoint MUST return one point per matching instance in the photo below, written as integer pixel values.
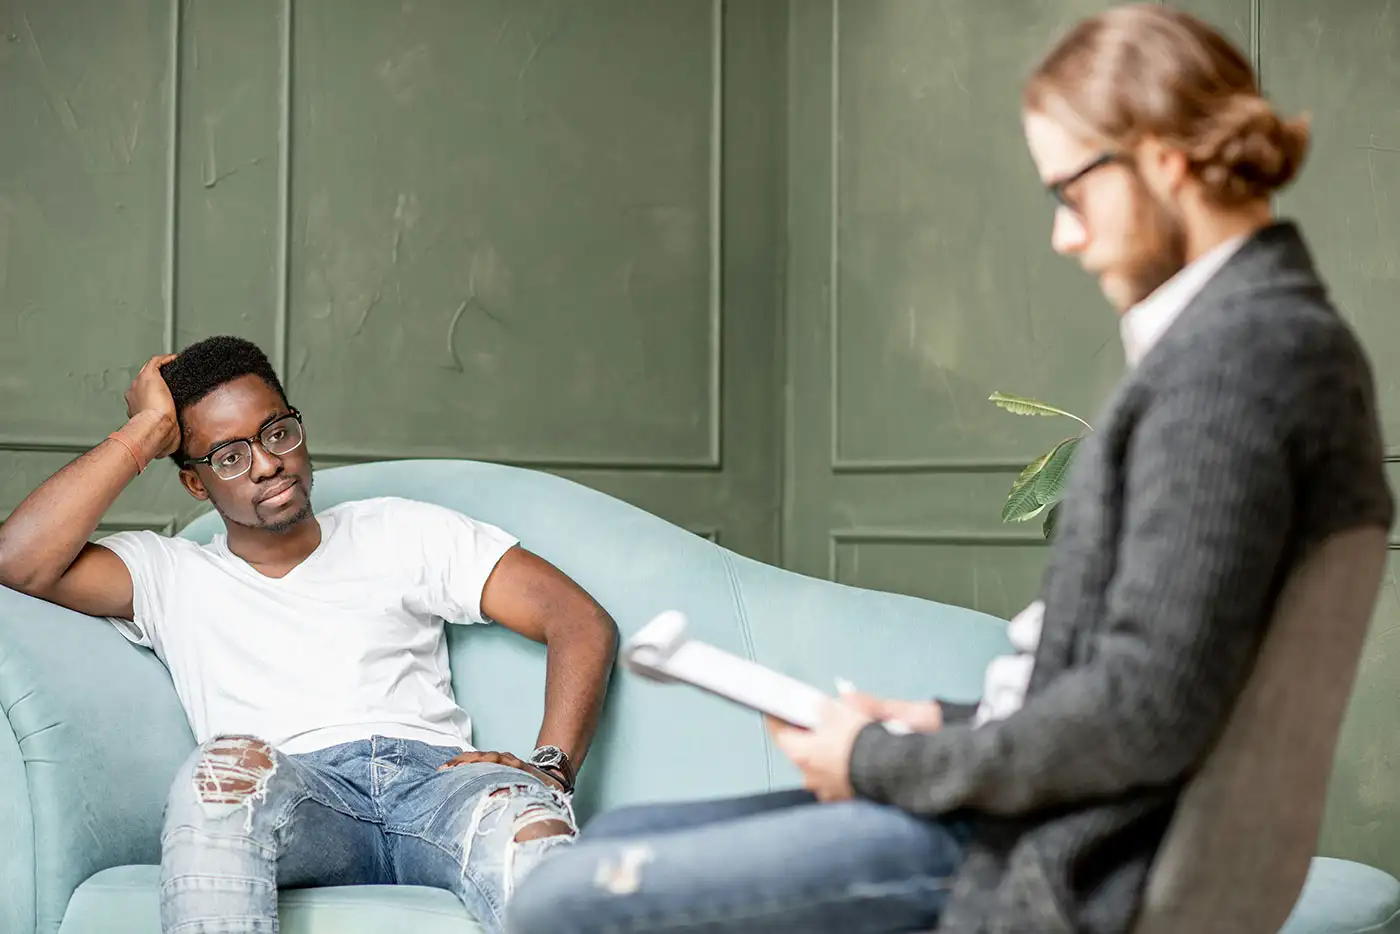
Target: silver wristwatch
(552, 760)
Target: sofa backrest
(667, 742)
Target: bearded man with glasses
(308, 652)
(1241, 452)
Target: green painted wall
(535, 231)
(752, 265)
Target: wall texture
(752, 265)
(539, 232)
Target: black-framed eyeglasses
(1058, 188)
(233, 459)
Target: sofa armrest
(93, 738)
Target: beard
(278, 526)
(286, 525)
(1157, 253)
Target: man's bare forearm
(45, 533)
(580, 659)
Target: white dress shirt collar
(1143, 324)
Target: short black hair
(205, 365)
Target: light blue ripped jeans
(243, 820)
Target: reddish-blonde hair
(1145, 70)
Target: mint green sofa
(92, 731)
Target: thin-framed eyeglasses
(1058, 189)
(233, 459)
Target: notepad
(664, 651)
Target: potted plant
(1039, 487)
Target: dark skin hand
(528, 595)
(502, 758)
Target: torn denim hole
(537, 805)
(234, 770)
(623, 875)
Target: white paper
(662, 651)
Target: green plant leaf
(1050, 479)
(1024, 512)
(1031, 471)
(1021, 405)
(1041, 483)
(1021, 503)
(1021, 506)
(1052, 519)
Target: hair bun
(1248, 151)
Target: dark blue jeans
(773, 863)
(243, 819)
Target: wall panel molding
(281, 315)
(358, 455)
(892, 536)
(834, 245)
(896, 536)
(46, 445)
(172, 186)
(716, 241)
(335, 456)
(933, 465)
(164, 523)
(1256, 53)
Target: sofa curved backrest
(665, 742)
(93, 732)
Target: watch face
(547, 755)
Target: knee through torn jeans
(243, 819)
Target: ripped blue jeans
(243, 820)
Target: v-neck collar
(327, 526)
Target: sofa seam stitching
(746, 633)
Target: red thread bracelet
(140, 464)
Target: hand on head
(149, 396)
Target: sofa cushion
(1342, 897)
(125, 900)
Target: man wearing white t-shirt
(308, 652)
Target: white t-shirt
(348, 645)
